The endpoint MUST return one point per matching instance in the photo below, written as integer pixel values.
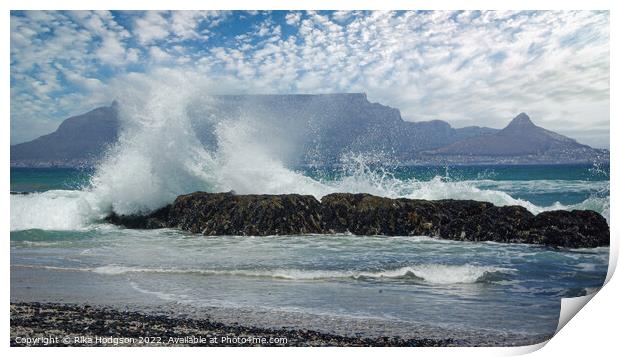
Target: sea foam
(423, 273)
(158, 156)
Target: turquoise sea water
(574, 183)
(483, 292)
(45, 179)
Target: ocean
(478, 292)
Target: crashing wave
(428, 273)
(158, 157)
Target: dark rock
(570, 229)
(154, 220)
(229, 214)
(364, 214)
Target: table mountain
(318, 130)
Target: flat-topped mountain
(319, 129)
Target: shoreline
(120, 293)
(61, 324)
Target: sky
(464, 67)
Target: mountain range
(319, 130)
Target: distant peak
(521, 120)
(522, 117)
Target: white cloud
(468, 68)
(293, 18)
(111, 51)
(133, 55)
(151, 27)
(86, 83)
(54, 53)
(174, 26)
(183, 23)
(159, 55)
(342, 16)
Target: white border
(593, 331)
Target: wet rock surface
(84, 325)
(364, 214)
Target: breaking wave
(159, 156)
(427, 273)
(75, 210)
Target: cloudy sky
(468, 68)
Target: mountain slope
(520, 137)
(324, 127)
(78, 140)
(306, 129)
(318, 130)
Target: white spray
(159, 156)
